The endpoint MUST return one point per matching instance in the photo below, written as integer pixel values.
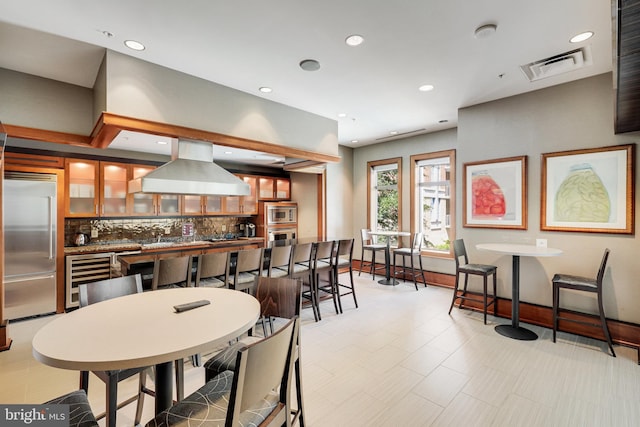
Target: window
(433, 200)
(385, 199)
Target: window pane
(434, 202)
(385, 199)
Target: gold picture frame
(495, 193)
(589, 191)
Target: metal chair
(412, 252)
(94, 292)
(585, 284)
(484, 270)
(368, 245)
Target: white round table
(388, 280)
(516, 251)
(143, 330)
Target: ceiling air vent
(558, 64)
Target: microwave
(284, 214)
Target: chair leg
(556, 303)
(372, 267)
(353, 287)
(413, 273)
(495, 299)
(484, 295)
(605, 327)
(455, 292)
(361, 262)
(424, 280)
(300, 412)
(142, 385)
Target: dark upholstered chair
(248, 269)
(213, 270)
(483, 270)
(279, 298)
(584, 284)
(344, 260)
(90, 293)
(175, 271)
(368, 245)
(256, 393)
(412, 252)
(80, 414)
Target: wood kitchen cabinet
(243, 205)
(82, 179)
(144, 204)
(96, 188)
(225, 205)
(273, 188)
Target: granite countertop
(134, 246)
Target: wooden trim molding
(47, 135)
(109, 125)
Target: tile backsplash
(144, 230)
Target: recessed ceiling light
(310, 65)
(265, 89)
(485, 31)
(354, 141)
(393, 132)
(581, 37)
(161, 142)
(425, 88)
(354, 40)
(228, 152)
(132, 44)
(342, 115)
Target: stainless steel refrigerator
(29, 208)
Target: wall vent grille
(558, 64)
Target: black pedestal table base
(518, 333)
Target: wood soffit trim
(109, 125)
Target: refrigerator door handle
(26, 278)
(51, 219)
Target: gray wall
(567, 117)
(339, 202)
(143, 90)
(35, 102)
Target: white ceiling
(252, 43)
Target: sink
(157, 245)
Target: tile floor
(401, 360)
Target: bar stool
(412, 252)
(585, 284)
(368, 245)
(465, 268)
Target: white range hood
(192, 171)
